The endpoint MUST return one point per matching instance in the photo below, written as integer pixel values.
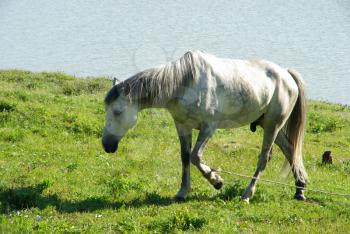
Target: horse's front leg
(210, 174)
(185, 137)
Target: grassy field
(55, 176)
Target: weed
(12, 135)
(179, 221)
(6, 107)
(319, 123)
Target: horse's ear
(115, 81)
(126, 89)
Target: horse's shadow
(14, 199)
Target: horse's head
(121, 115)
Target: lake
(119, 38)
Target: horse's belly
(194, 116)
(238, 111)
(224, 113)
(237, 121)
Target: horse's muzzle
(110, 145)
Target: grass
(56, 178)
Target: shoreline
(347, 105)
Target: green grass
(55, 176)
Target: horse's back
(239, 85)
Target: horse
(205, 92)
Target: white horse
(204, 92)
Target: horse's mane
(157, 84)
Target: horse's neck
(146, 96)
(148, 102)
(153, 102)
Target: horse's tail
(295, 128)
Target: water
(119, 38)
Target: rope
(285, 184)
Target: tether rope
(285, 184)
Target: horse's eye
(117, 112)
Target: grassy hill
(55, 176)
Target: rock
(327, 157)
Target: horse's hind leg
(271, 130)
(210, 174)
(287, 149)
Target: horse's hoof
(215, 179)
(248, 193)
(300, 197)
(246, 196)
(179, 199)
(245, 200)
(218, 185)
